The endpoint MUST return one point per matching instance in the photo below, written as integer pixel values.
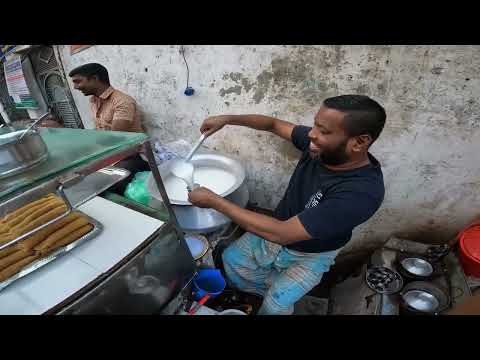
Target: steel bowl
(19, 154)
(424, 297)
(417, 266)
(421, 300)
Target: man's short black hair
(363, 114)
(92, 69)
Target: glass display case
(152, 273)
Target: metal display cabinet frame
(147, 279)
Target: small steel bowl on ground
(417, 266)
(424, 297)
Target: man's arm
(269, 228)
(123, 116)
(258, 122)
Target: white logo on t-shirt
(314, 200)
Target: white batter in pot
(216, 179)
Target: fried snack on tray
(9, 250)
(77, 234)
(21, 220)
(34, 212)
(52, 213)
(24, 208)
(15, 257)
(41, 235)
(61, 233)
(17, 267)
(42, 219)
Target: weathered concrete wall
(429, 148)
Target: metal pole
(161, 188)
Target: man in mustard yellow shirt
(112, 110)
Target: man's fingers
(208, 132)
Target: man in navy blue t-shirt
(336, 186)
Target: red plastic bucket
(469, 250)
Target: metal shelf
(75, 154)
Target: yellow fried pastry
(62, 233)
(77, 234)
(16, 267)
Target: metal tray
(37, 264)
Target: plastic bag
(169, 151)
(137, 189)
(165, 153)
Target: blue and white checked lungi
(280, 275)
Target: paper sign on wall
(16, 84)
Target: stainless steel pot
(424, 297)
(18, 154)
(195, 219)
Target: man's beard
(337, 156)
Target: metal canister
(18, 154)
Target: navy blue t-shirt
(329, 204)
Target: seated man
(112, 110)
(336, 186)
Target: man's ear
(362, 142)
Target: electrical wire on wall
(189, 91)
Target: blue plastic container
(208, 282)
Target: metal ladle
(34, 123)
(183, 168)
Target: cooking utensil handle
(202, 301)
(61, 193)
(197, 145)
(34, 123)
